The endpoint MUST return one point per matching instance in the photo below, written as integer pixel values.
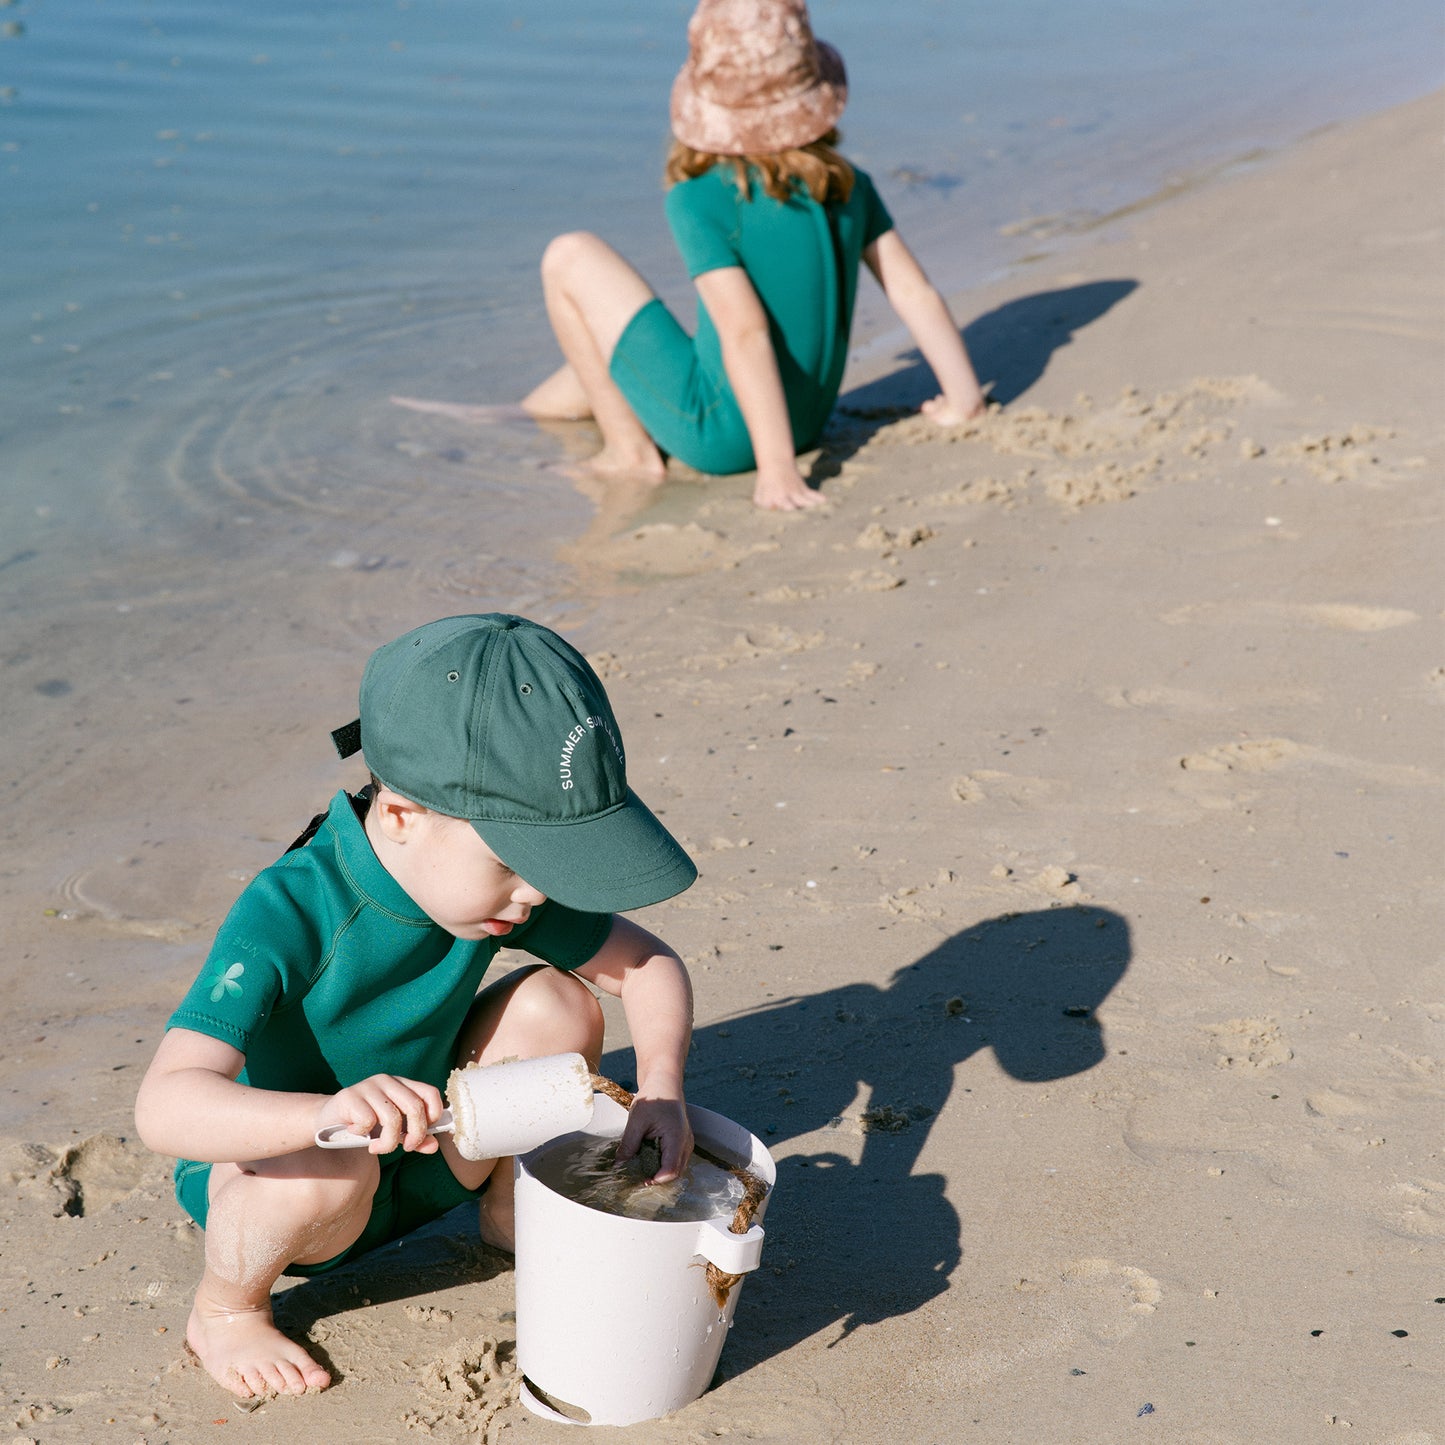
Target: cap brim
(619, 860)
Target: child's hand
(785, 491)
(397, 1110)
(943, 412)
(665, 1121)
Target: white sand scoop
(501, 1109)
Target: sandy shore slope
(1068, 803)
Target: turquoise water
(230, 231)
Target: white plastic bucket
(615, 1321)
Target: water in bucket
(585, 1168)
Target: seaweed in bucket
(586, 1170)
(755, 1191)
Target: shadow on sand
(1010, 346)
(438, 1256)
(851, 1243)
(856, 1243)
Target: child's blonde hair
(817, 167)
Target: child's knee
(546, 1012)
(303, 1211)
(565, 252)
(347, 1197)
(582, 1009)
(317, 1184)
(562, 1012)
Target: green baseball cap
(498, 720)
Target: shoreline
(1063, 233)
(1114, 720)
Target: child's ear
(398, 818)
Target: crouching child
(346, 982)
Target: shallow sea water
(231, 232)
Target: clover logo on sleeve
(223, 982)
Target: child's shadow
(1011, 346)
(854, 1243)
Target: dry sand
(1068, 804)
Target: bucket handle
(731, 1253)
(741, 1244)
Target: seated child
(772, 223)
(342, 988)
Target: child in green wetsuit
(346, 983)
(772, 223)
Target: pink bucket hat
(755, 81)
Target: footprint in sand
(1419, 1208)
(81, 1179)
(1019, 789)
(1096, 1299)
(966, 789)
(1249, 1044)
(1107, 1300)
(1173, 1122)
(1254, 755)
(102, 1170)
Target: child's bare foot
(244, 1352)
(484, 415)
(945, 413)
(612, 465)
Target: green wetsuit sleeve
(244, 977)
(563, 937)
(876, 219)
(702, 214)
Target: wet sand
(1067, 802)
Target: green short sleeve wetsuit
(802, 259)
(325, 972)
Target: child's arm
(656, 995)
(190, 1106)
(925, 313)
(752, 369)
